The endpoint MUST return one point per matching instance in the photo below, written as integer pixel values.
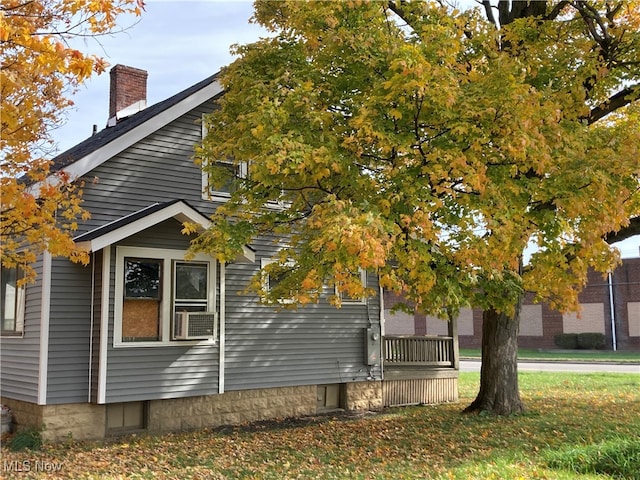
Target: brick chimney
(127, 93)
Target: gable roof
(98, 148)
(124, 227)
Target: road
(524, 366)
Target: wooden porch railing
(419, 351)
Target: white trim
(215, 195)
(354, 301)
(45, 311)
(19, 306)
(167, 256)
(179, 210)
(96, 158)
(221, 323)
(104, 325)
(91, 324)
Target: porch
(420, 370)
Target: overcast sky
(178, 43)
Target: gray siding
(314, 344)
(69, 332)
(264, 348)
(174, 371)
(158, 169)
(20, 356)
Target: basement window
(329, 398)
(126, 417)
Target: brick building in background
(610, 306)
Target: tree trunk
(499, 393)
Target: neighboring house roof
(92, 152)
(147, 217)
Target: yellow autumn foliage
(39, 70)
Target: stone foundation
(231, 408)
(81, 421)
(363, 396)
(85, 421)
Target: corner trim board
(104, 325)
(45, 311)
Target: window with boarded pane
(161, 299)
(12, 301)
(141, 306)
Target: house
(142, 340)
(610, 306)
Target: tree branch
(553, 14)
(629, 231)
(396, 7)
(616, 101)
(488, 10)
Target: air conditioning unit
(195, 326)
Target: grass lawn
(575, 421)
(565, 355)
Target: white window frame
(168, 257)
(18, 305)
(354, 301)
(207, 192)
(266, 286)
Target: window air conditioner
(195, 325)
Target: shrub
(591, 341)
(566, 340)
(29, 439)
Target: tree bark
(499, 392)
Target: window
(227, 171)
(346, 298)
(142, 299)
(271, 280)
(12, 301)
(161, 298)
(191, 318)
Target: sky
(178, 43)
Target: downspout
(92, 317)
(221, 327)
(382, 332)
(613, 313)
